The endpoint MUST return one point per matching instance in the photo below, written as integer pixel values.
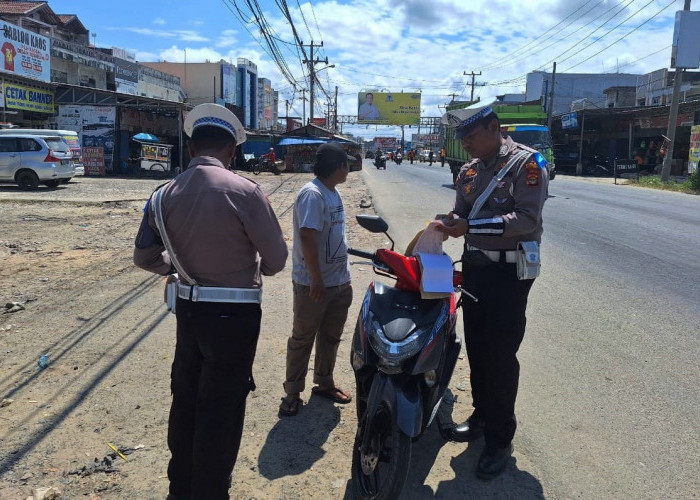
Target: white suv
(29, 160)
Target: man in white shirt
(321, 280)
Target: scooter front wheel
(381, 457)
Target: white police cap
(463, 118)
(214, 115)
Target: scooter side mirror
(372, 223)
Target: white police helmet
(462, 119)
(214, 115)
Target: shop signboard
(388, 108)
(126, 76)
(25, 53)
(93, 160)
(569, 121)
(425, 140)
(28, 98)
(694, 156)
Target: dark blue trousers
(493, 330)
(210, 381)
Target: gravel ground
(65, 256)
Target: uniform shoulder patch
(532, 177)
(541, 161)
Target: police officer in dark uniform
(218, 231)
(497, 210)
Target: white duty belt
(511, 256)
(196, 293)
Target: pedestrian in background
(430, 157)
(320, 280)
(219, 233)
(442, 157)
(500, 194)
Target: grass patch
(690, 186)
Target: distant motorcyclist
(270, 156)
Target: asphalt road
(609, 394)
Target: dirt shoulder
(65, 256)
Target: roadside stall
(154, 156)
(300, 153)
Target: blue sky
(409, 45)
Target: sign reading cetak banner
(25, 53)
(28, 99)
(384, 108)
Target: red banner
(94, 161)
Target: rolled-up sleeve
(265, 233)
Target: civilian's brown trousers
(322, 322)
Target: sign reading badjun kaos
(24, 52)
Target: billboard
(228, 83)
(386, 143)
(25, 53)
(388, 108)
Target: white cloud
(159, 21)
(429, 45)
(184, 35)
(227, 38)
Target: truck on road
(524, 123)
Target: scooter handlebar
(363, 254)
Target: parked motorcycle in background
(380, 161)
(404, 351)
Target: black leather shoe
(470, 430)
(493, 461)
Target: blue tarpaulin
(143, 137)
(295, 141)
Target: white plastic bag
(430, 241)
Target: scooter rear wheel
(380, 467)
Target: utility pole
(550, 108)
(453, 97)
(673, 118)
(303, 107)
(286, 115)
(473, 75)
(335, 111)
(312, 75)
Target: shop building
(52, 78)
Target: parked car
(69, 136)
(29, 160)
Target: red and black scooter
(404, 351)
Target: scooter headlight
(394, 353)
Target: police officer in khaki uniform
(219, 232)
(494, 326)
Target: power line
(622, 37)
(522, 48)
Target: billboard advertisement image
(25, 53)
(388, 108)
